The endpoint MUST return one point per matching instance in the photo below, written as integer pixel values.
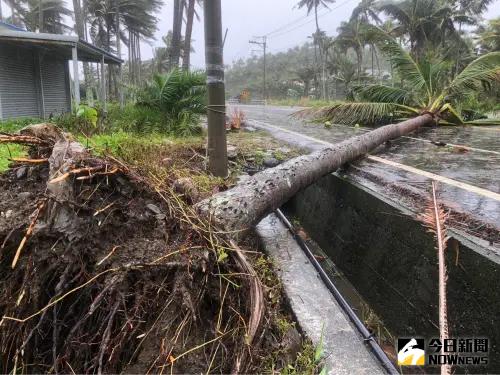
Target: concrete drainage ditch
(390, 258)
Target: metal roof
(5, 25)
(60, 44)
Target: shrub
(135, 119)
(83, 119)
(180, 96)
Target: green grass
(13, 151)
(11, 126)
(8, 151)
(121, 143)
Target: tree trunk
(186, 61)
(307, 88)
(239, 209)
(359, 58)
(119, 78)
(40, 16)
(80, 31)
(139, 59)
(175, 50)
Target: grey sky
(248, 18)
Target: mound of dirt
(100, 272)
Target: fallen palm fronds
(435, 219)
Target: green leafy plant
(82, 120)
(427, 88)
(134, 118)
(180, 96)
(309, 360)
(87, 114)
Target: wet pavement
(467, 167)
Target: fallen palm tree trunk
(239, 209)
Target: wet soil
(121, 278)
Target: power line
(286, 31)
(288, 24)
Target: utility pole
(263, 44)
(214, 60)
(1, 14)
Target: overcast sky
(248, 18)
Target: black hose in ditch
(367, 336)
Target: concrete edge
(317, 312)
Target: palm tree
(351, 35)
(128, 21)
(365, 13)
(427, 89)
(489, 36)
(42, 15)
(190, 13)
(314, 5)
(427, 24)
(177, 33)
(180, 96)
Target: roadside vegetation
(446, 35)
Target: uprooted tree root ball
(106, 271)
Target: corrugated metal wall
(55, 79)
(18, 90)
(23, 80)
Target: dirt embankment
(103, 270)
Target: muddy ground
(118, 274)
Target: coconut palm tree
(364, 13)
(351, 35)
(190, 16)
(489, 36)
(427, 24)
(42, 15)
(176, 33)
(314, 5)
(427, 89)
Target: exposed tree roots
(104, 271)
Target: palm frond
(480, 73)
(402, 61)
(383, 94)
(366, 113)
(451, 115)
(484, 122)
